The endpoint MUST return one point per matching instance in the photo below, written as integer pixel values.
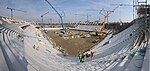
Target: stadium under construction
(67, 46)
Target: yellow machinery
(80, 33)
(106, 14)
(69, 32)
(100, 34)
(142, 38)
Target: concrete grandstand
(25, 49)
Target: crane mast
(102, 29)
(105, 14)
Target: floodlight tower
(12, 9)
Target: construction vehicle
(106, 14)
(63, 30)
(80, 33)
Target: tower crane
(105, 14)
(87, 16)
(97, 10)
(12, 9)
(136, 5)
(127, 5)
(43, 16)
(62, 24)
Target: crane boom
(82, 14)
(11, 9)
(62, 24)
(44, 14)
(106, 14)
(113, 10)
(93, 10)
(16, 9)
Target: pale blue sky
(35, 8)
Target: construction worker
(87, 55)
(22, 39)
(84, 58)
(34, 46)
(91, 55)
(80, 57)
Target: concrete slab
(3, 65)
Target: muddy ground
(74, 45)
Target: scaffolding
(143, 10)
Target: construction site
(88, 33)
(89, 44)
(70, 45)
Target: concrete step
(3, 65)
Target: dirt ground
(74, 45)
